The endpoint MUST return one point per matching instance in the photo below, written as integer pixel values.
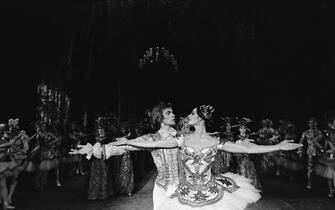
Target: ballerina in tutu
(325, 166)
(50, 153)
(288, 160)
(198, 188)
(14, 147)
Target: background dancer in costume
(6, 167)
(311, 139)
(267, 136)
(325, 166)
(124, 177)
(223, 159)
(50, 155)
(184, 127)
(77, 137)
(14, 145)
(281, 132)
(288, 160)
(97, 187)
(245, 165)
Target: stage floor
(279, 193)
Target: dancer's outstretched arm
(99, 150)
(142, 143)
(248, 147)
(105, 151)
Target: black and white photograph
(167, 105)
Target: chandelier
(159, 56)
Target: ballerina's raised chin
(197, 187)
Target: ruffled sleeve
(110, 150)
(104, 151)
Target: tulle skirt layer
(237, 200)
(325, 168)
(12, 168)
(289, 163)
(48, 164)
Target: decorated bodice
(311, 137)
(166, 161)
(197, 164)
(49, 145)
(198, 187)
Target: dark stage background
(248, 58)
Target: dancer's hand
(83, 150)
(120, 141)
(288, 145)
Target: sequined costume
(200, 189)
(124, 177)
(97, 187)
(166, 161)
(312, 139)
(245, 166)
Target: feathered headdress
(205, 111)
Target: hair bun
(205, 111)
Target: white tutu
(237, 200)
